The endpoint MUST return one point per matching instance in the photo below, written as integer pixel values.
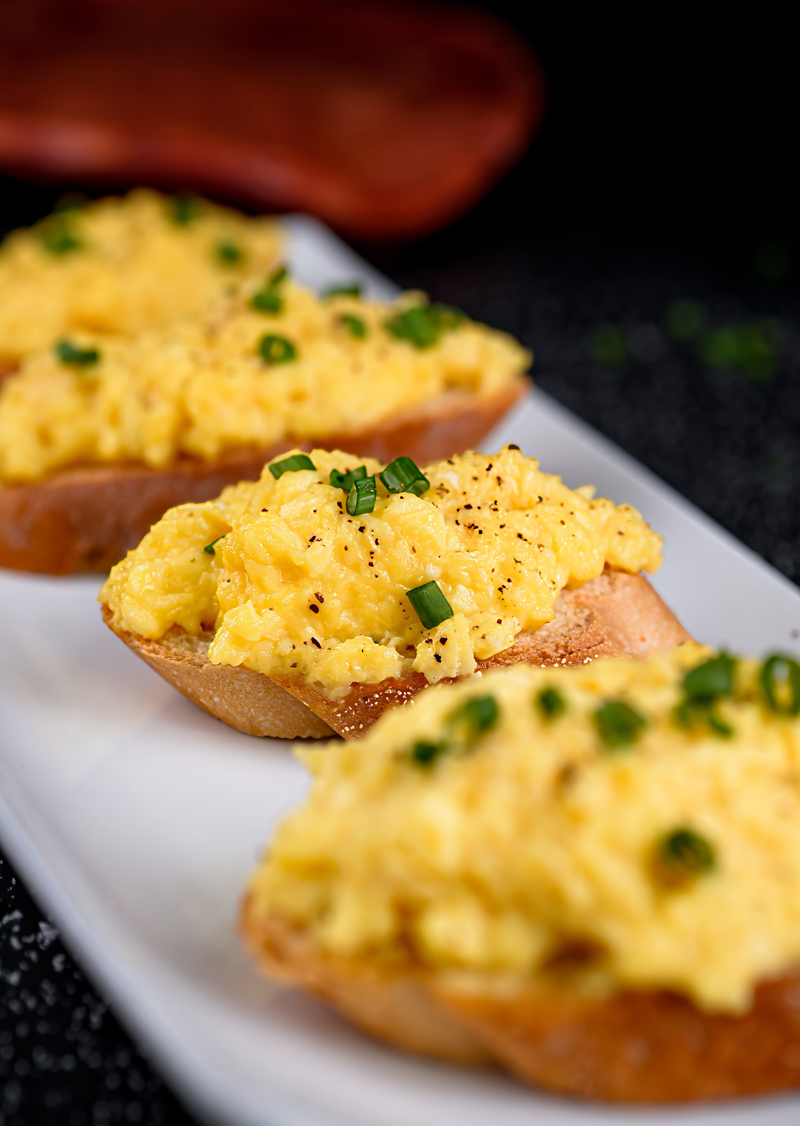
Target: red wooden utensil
(385, 120)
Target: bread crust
(613, 615)
(634, 1047)
(246, 700)
(86, 519)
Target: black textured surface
(665, 171)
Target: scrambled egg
(272, 361)
(297, 588)
(661, 853)
(119, 266)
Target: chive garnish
(463, 728)
(268, 299)
(362, 495)
(345, 289)
(209, 548)
(696, 713)
(703, 686)
(184, 209)
(291, 465)
(551, 703)
(445, 317)
(780, 679)
(73, 356)
(415, 325)
(403, 476)
(682, 855)
(422, 324)
(228, 253)
(354, 325)
(57, 238)
(430, 604)
(276, 349)
(473, 719)
(713, 678)
(345, 480)
(425, 753)
(618, 725)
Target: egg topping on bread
(273, 363)
(299, 582)
(122, 265)
(628, 824)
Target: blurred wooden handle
(385, 120)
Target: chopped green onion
(618, 724)
(209, 548)
(73, 356)
(228, 253)
(346, 289)
(473, 719)
(719, 726)
(415, 325)
(425, 753)
(184, 209)
(345, 481)
(445, 317)
(403, 476)
(682, 855)
(57, 238)
(354, 325)
(693, 713)
(551, 703)
(291, 464)
(710, 680)
(430, 604)
(464, 726)
(266, 300)
(780, 679)
(276, 349)
(362, 496)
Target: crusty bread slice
(86, 519)
(613, 615)
(645, 1047)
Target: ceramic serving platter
(135, 818)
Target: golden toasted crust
(613, 615)
(87, 519)
(244, 699)
(643, 1047)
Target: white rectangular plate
(136, 818)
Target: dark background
(665, 171)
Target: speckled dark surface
(645, 186)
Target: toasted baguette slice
(645, 1047)
(613, 615)
(87, 519)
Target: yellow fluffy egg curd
(205, 386)
(122, 265)
(537, 850)
(299, 589)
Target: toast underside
(615, 614)
(86, 519)
(645, 1047)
